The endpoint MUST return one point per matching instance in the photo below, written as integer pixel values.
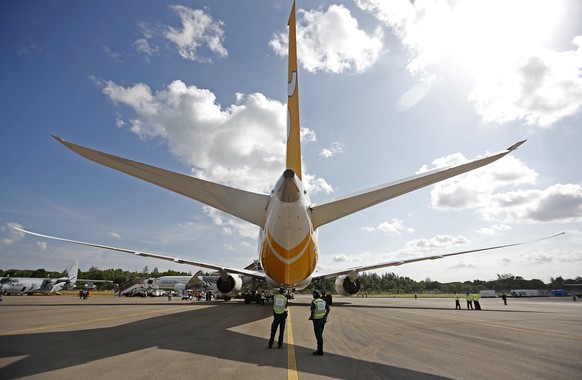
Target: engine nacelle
(230, 285)
(344, 286)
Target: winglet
(293, 128)
(516, 145)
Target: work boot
(318, 353)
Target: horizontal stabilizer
(328, 212)
(240, 203)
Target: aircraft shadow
(202, 332)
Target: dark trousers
(318, 325)
(477, 305)
(457, 305)
(469, 304)
(278, 322)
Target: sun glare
(487, 34)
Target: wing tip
(516, 145)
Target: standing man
(457, 303)
(476, 301)
(319, 313)
(469, 301)
(279, 317)
(504, 298)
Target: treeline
(392, 283)
(118, 276)
(371, 282)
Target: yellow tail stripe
(293, 127)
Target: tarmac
(105, 337)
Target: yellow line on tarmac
(78, 323)
(291, 362)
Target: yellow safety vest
(476, 297)
(279, 304)
(319, 311)
(469, 298)
(456, 297)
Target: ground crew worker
(476, 301)
(319, 313)
(469, 301)
(279, 317)
(457, 304)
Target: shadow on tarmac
(201, 332)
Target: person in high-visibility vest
(457, 303)
(279, 317)
(319, 313)
(469, 301)
(476, 301)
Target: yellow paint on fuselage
(289, 266)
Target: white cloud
(540, 88)
(331, 41)
(476, 188)
(344, 258)
(557, 203)
(41, 246)
(395, 227)
(334, 149)
(494, 229)
(517, 76)
(9, 235)
(198, 29)
(115, 235)
(241, 146)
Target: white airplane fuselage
(288, 246)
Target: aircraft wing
(328, 212)
(363, 268)
(219, 268)
(240, 203)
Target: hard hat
(317, 293)
(282, 290)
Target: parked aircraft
(288, 220)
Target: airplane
(29, 285)
(180, 284)
(287, 219)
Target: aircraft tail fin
(293, 127)
(73, 272)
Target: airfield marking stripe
(520, 329)
(47, 327)
(291, 361)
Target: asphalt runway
(62, 337)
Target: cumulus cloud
(344, 258)
(334, 149)
(331, 41)
(198, 29)
(198, 35)
(476, 188)
(540, 88)
(494, 229)
(242, 145)
(517, 76)
(9, 235)
(394, 227)
(557, 203)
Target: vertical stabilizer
(73, 272)
(293, 136)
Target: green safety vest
(469, 298)
(319, 311)
(476, 297)
(456, 297)
(279, 304)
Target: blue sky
(387, 89)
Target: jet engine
(229, 285)
(346, 287)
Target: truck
(525, 293)
(487, 293)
